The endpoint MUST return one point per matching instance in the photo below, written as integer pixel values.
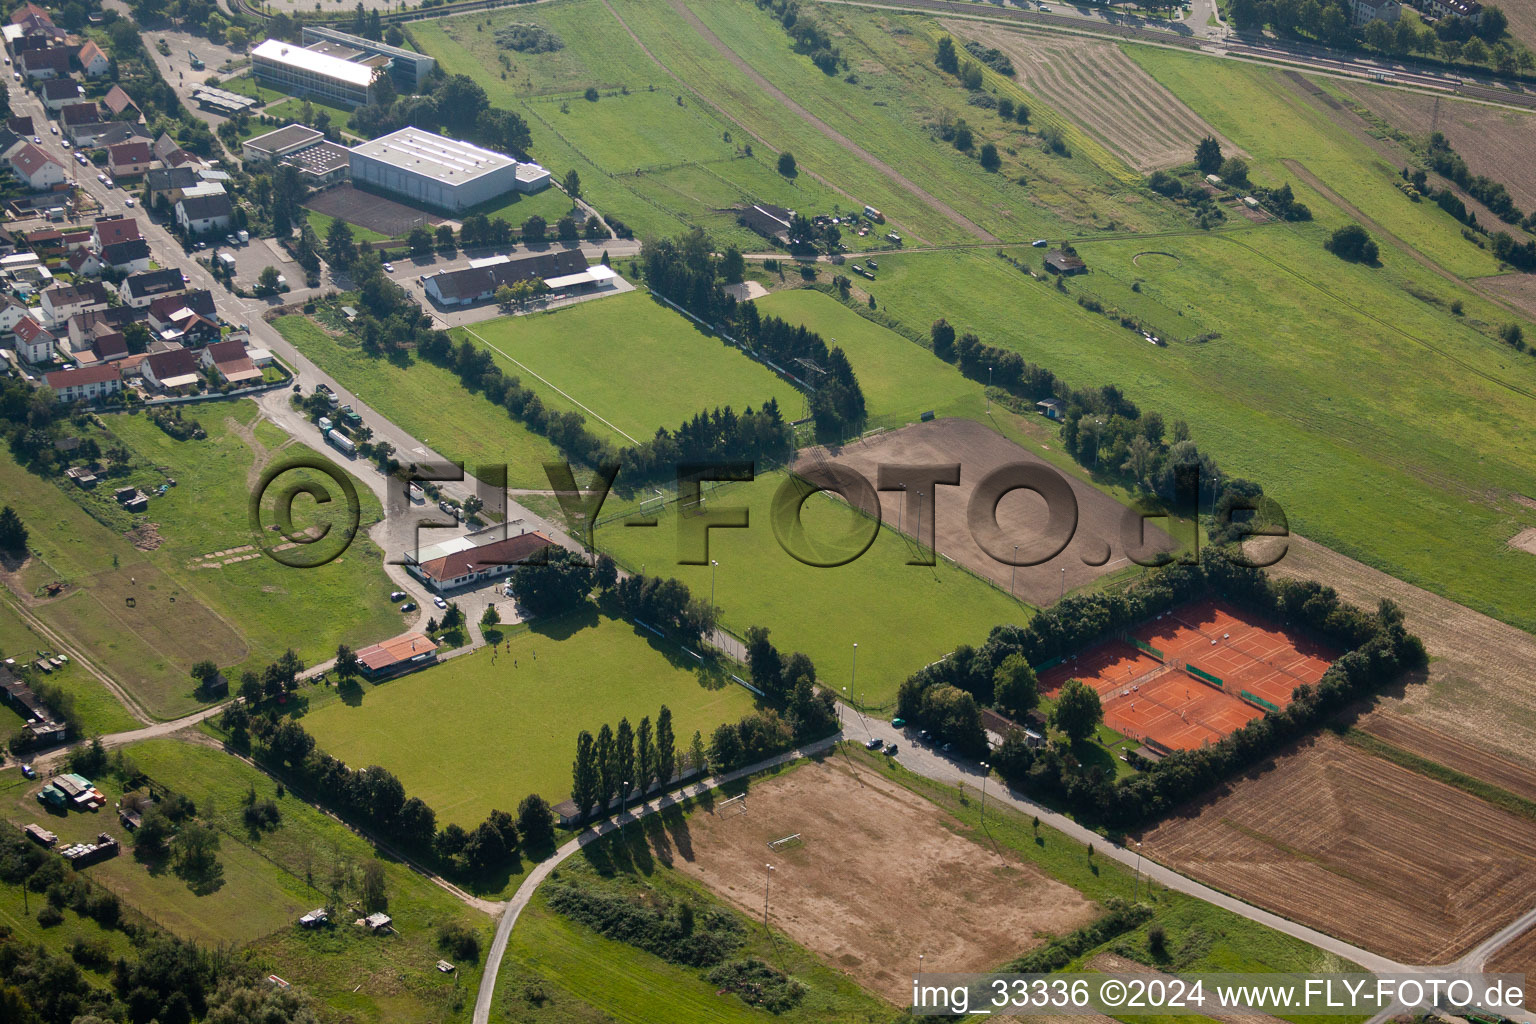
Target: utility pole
(1014, 575)
(767, 881)
(986, 770)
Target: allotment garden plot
(1192, 675)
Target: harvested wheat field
(1096, 547)
(1355, 846)
(1495, 141)
(878, 877)
(1461, 753)
(1481, 682)
(1519, 957)
(1096, 85)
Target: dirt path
(1482, 677)
(1113, 963)
(129, 703)
(957, 218)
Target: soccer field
(477, 734)
(629, 365)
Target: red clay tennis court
(1192, 675)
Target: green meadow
(190, 589)
(266, 880)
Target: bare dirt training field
(878, 878)
(1102, 89)
(1021, 514)
(1333, 837)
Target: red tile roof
(120, 229)
(486, 556)
(60, 379)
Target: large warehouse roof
(296, 56)
(433, 156)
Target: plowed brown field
(1100, 88)
(1382, 857)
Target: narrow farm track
(928, 198)
(126, 699)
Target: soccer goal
(788, 842)
(735, 805)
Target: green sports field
(630, 365)
(470, 736)
(194, 589)
(429, 403)
(901, 616)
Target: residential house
(11, 313)
(106, 134)
(111, 230)
(140, 290)
(52, 62)
(84, 263)
(171, 310)
(76, 240)
(30, 10)
(1468, 9)
(34, 342)
(21, 126)
(58, 93)
(86, 384)
(93, 60)
(200, 215)
(129, 159)
(230, 361)
(85, 327)
(1363, 11)
(66, 300)
(119, 104)
(110, 346)
(10, 142)
(169, 371)
(169, 183)
(34, 166)
(81, 122)
(128, 257)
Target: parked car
(389, 268)
(27, 770)
(898, 723)
(409, 606)
(230, 239)
(64, 143)
(53, 128)
(1039, 243)
(873, 743)
(128, 202)
(946, 748)
(438, 600)
(925, 736)
(398, 595)
(890, 749)
(37, 140)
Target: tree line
(1378, 651)
(1101, 428)
(628, 761)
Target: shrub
(459, 941)
(668, 928)
(49, 915)
(758, 984)
(787, 164)
(1353, 243)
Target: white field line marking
(471, 332)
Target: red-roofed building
(30, 10)
(52, 62)
(469, 562)
(84, 263)
(172, 370)
(130, 159)
(404, 653)
(93, 60)
(87, 384)
(35, 167)
(34, 342)
(230, 360)
(111, 230)
(117, 101)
